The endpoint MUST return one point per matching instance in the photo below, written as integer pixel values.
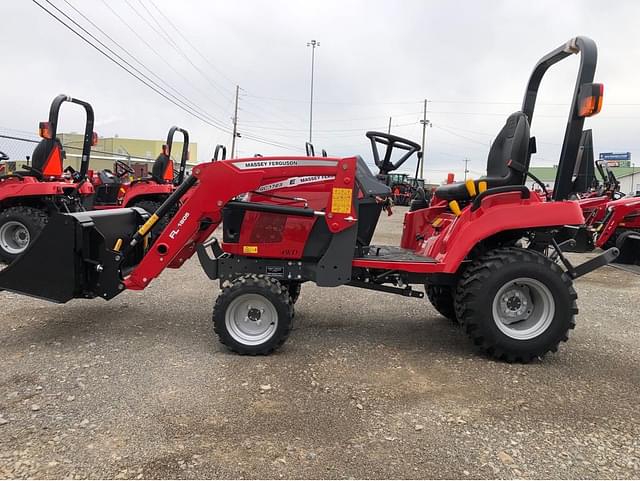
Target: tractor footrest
(394, 254)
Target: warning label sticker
(341, 200)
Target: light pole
(313, 44)
(424, 123)
(466, 170)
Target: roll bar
(89, 139)
(185, 152)
(220, 153)
(309, 149)
(586, 72)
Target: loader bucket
(629, 245)
(73, 257)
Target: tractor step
(393, 254)
(73, 257)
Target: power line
(157, 54)
(332, 130)
(146, 81)
(179, 32)
(405, 102)
(175, 94)
(170, 42)
(142, 78)
(22, 139)
(450, 132)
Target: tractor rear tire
(516, 304)
(442, 299)
(19, 226)
(253, 315)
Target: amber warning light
(44, 131)
(590, 99)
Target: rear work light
(590, 99)
(44, 130)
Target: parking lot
(368, 386)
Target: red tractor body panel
(278, 236)
(179, 239)
(593, 208)
(27, 186)
(625, 214)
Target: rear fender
(146, 191)
(498, 213)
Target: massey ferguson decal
(294, 181)
(270, 164)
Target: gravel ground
(367, 386)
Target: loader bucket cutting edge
(73, 256)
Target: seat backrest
(107, 177)
(511, 144)
(162, 170)
(47, 158)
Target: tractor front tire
(516, 304)
(19, 226)
(253, 315)
(442, 299)
(294, 289)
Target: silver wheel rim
(523, 308)
(251, 319)
(14, 237)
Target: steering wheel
(391, 142)
(122, 168)
(3, 156)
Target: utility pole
(313, 44)
(235, 124)
(389, 129)
(424, 123)
(466, 171)
(633, 171)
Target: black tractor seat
(159, 171)
(507, 163)
(46, 161)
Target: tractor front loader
(480, 247)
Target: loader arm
(214, 185)
(102, 253)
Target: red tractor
(28, 198)
(611, 219)
(482, 247)
(115, 190)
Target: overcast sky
(470, 59)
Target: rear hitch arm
(580, 270)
